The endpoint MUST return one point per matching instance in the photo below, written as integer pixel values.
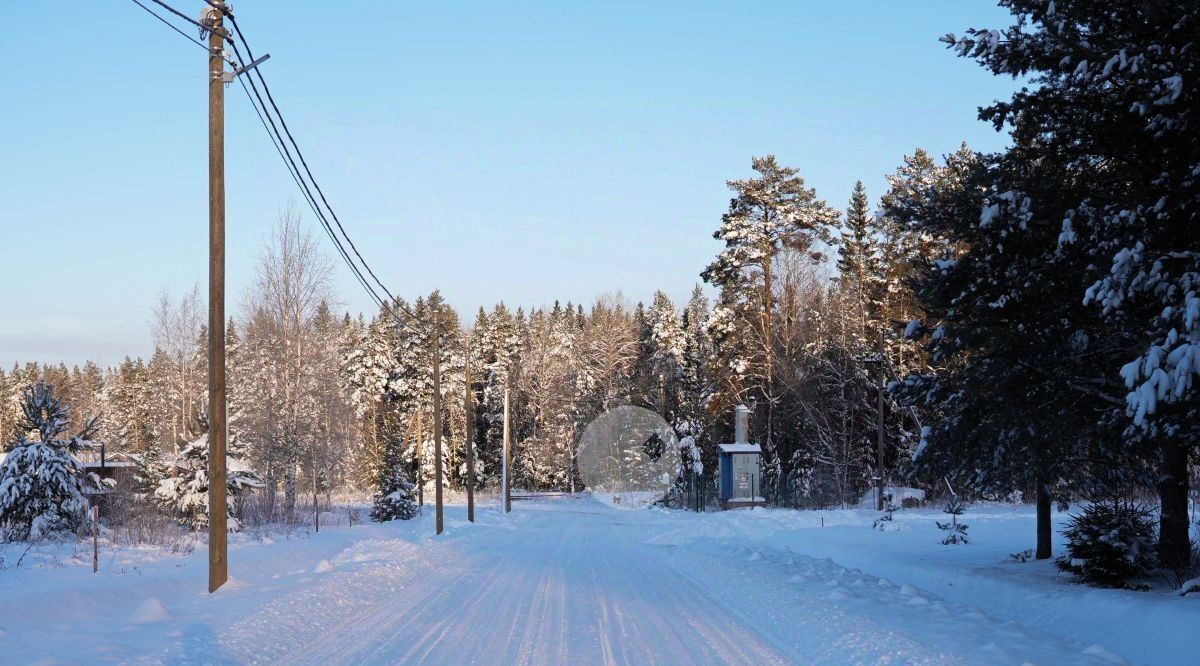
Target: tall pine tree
(1111, 117)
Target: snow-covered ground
(575, 581)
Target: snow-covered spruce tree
(8, 411)
(1014, 396)
(957, 532)
(676, 353)
(130, 421)
(326, 459)
(665, 345)
(770, 215)
(1109, 543)
(396, 496)
(42, 483)
(551, 365)
(1113, 105)
(696, 385)
(184, 494)
(152, 469)
(860, 264)
(497, 347)
(410, 386)
(366, 369)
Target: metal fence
(697, 493)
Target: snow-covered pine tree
(676, 357)
(395, 496)
(1110, 115)
(906, 244)
(1011, 348)
(770, 214)
(332, 420)
(410, 385)
(42, 483)
(163, 399)
(184, 494)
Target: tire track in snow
(548, 587)
(382, 633)
(360, 596)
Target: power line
(203, 28)
(303, 190)
(294, 171)
(176, 29)
(281, 147)
(384, 303)
(321, 193)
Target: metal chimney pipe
(741, 424)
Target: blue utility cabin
(739, 467)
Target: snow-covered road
(580, 588)
(569, 582)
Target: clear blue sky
(524, 151)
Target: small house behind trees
(739, 466)
(116, 472)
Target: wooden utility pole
(418, 453)
(218, 548)
(95, 538)
(506, 477)
(316, 500)
(468, 405)
(437, 419)
(879, 453)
